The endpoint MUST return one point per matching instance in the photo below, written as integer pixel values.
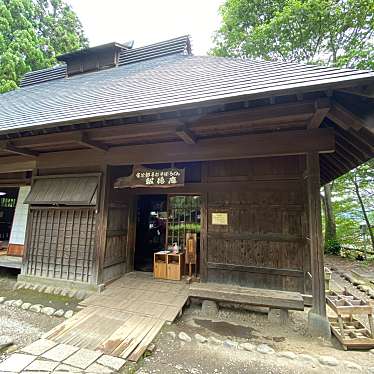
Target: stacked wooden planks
(125, 318)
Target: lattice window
(184, 217)
(61, 243)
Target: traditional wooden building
(230, 151)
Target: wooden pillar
(102, 224)
(26, 253)
(318, 322)
(204, 226)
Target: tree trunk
(330, 225)
(357, 190)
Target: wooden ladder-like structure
(351, 333)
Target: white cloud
(147, 21)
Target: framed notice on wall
(219, 219)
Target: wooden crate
(175, 266)
(160, 266)
(345, 303)
(355, 335)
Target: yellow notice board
(219, 219)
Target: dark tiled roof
(179, 45)
(152, 83)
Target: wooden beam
(8, 146)
(279, 143)
(315, 235)
(265, 116)
(85, 140)
(344, 118)
(365, 91)
(186, 134)
(16, 164)
(322, 107)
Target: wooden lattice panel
(61, 243)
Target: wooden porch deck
(124, 319)
(11, 262)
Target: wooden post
(318, 322)
(101, 224)
(204, 226)
(25, 256)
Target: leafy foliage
(350, 213)
(330, 32)
(338, 32)
(332, 247)
(32, 33)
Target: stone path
(46, 356)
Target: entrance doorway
(8, 199)
(150, 230)
(167, 222)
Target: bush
(333, 247)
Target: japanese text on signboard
(145, 177)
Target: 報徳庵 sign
(145, 177)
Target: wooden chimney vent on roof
(77, 190)
(95, 58)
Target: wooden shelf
(160, 265)
(168, 266)
(175, 266)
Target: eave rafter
(85, 140)
(322, 107)
(187, 129)
(365, 91)
(7, 146)
(186, 134)
(346, 119)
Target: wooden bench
(273, 299)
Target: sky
(149, 21)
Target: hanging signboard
(145, 177)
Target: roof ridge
(178, 45)
(286, 63)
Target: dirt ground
(175, 356)
(219, 355)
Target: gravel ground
(173, 355)
(23, 327)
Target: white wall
(17, 235)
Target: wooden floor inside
(124, 319)
(12, 262)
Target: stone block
(36, 308)
(98, 369)
(318, 325)
(111, 362)
(83, 358)
(42, 365)
(209, 308)
(39, 347)
(25, 306)
(60, 352)
(16, 362)
(48, 310)
(278, 316)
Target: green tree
(353, 198)
(338, 32)
(32, 34)
(331, 32)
